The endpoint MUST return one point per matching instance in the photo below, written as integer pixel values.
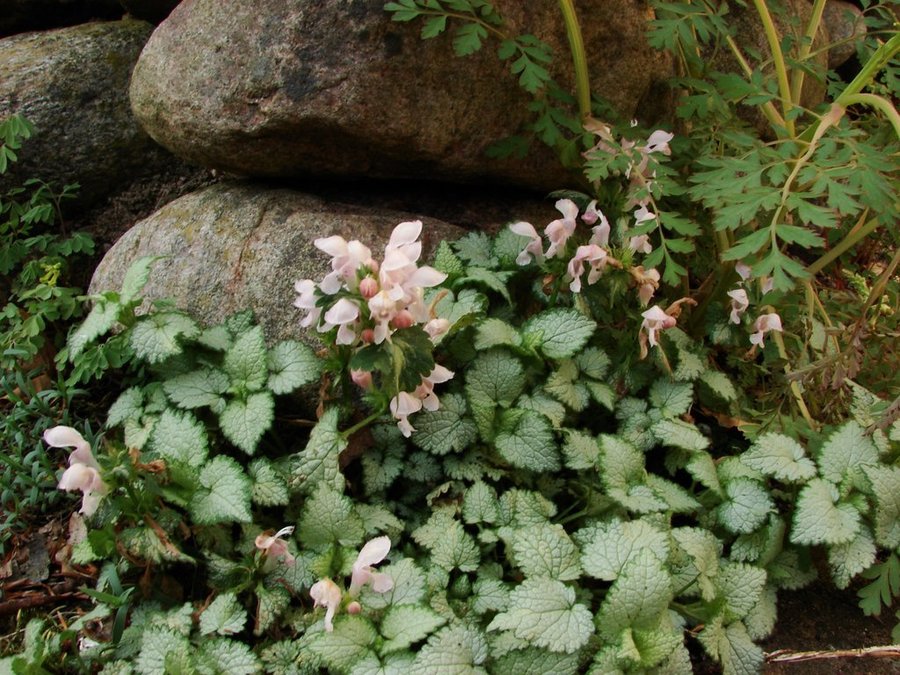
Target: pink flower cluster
(384, 296)
(377, 298)
(325, 593)
(740, 302)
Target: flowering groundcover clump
(582, 447)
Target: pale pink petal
(325, 593)
(743, 270)
(374, 551)
(64, 437)
(568, 208)
(342, 312)
(334, 246)
(77, 477)
(739, 304)
(404, 404)
(659, 141)
(382, 583)
(440, 374)
(425, 277)
(405, 233)
(643, 214)
(524, 229)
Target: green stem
(879, 103)
(768, 109)
(812, 28)
(845, 245)
(864, 77)
(794, 385)
(867, 73)
(784, 86)
(347, 433)
(880, 285)
(579, 58)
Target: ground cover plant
(592, 445)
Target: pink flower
(307, 302)
(559, 231)
(534, 248)
(649, 282)
(361, 378)
(739, 304)
(363, 573)
(381, 310)
(275, 547)
(436, 328)
(326, 593)
(346, 258)
(659, 142)
(600, 231)
(640, 244)
(403, 405)
(425, 391)
(743, 270)
(592, 254)
(764, 324)
(655, 319)
(83, 472)
(343, 314)
(643, 214)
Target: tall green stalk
(579, 58)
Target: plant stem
(867, 73)
(880, 285)
(778, 59)
(812, 28)
(879, 103)
(795, 386)
(848, 242)
(768, 109)
(347, 433)
(579, 58)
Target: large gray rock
(19, 16)
(275, 88)
(235, 246)
(72, 84)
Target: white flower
(325, 593)
(371, 554)
(592, 254)
(655, 319)
(764, 324)
(739, 304)
(534, 248)
(275, 547)
(83, 472)
(559, 231)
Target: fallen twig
(790, 656)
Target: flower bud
(354, 608)
(368, 287)
(361, 378)
(403, 319)
(367, 335)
